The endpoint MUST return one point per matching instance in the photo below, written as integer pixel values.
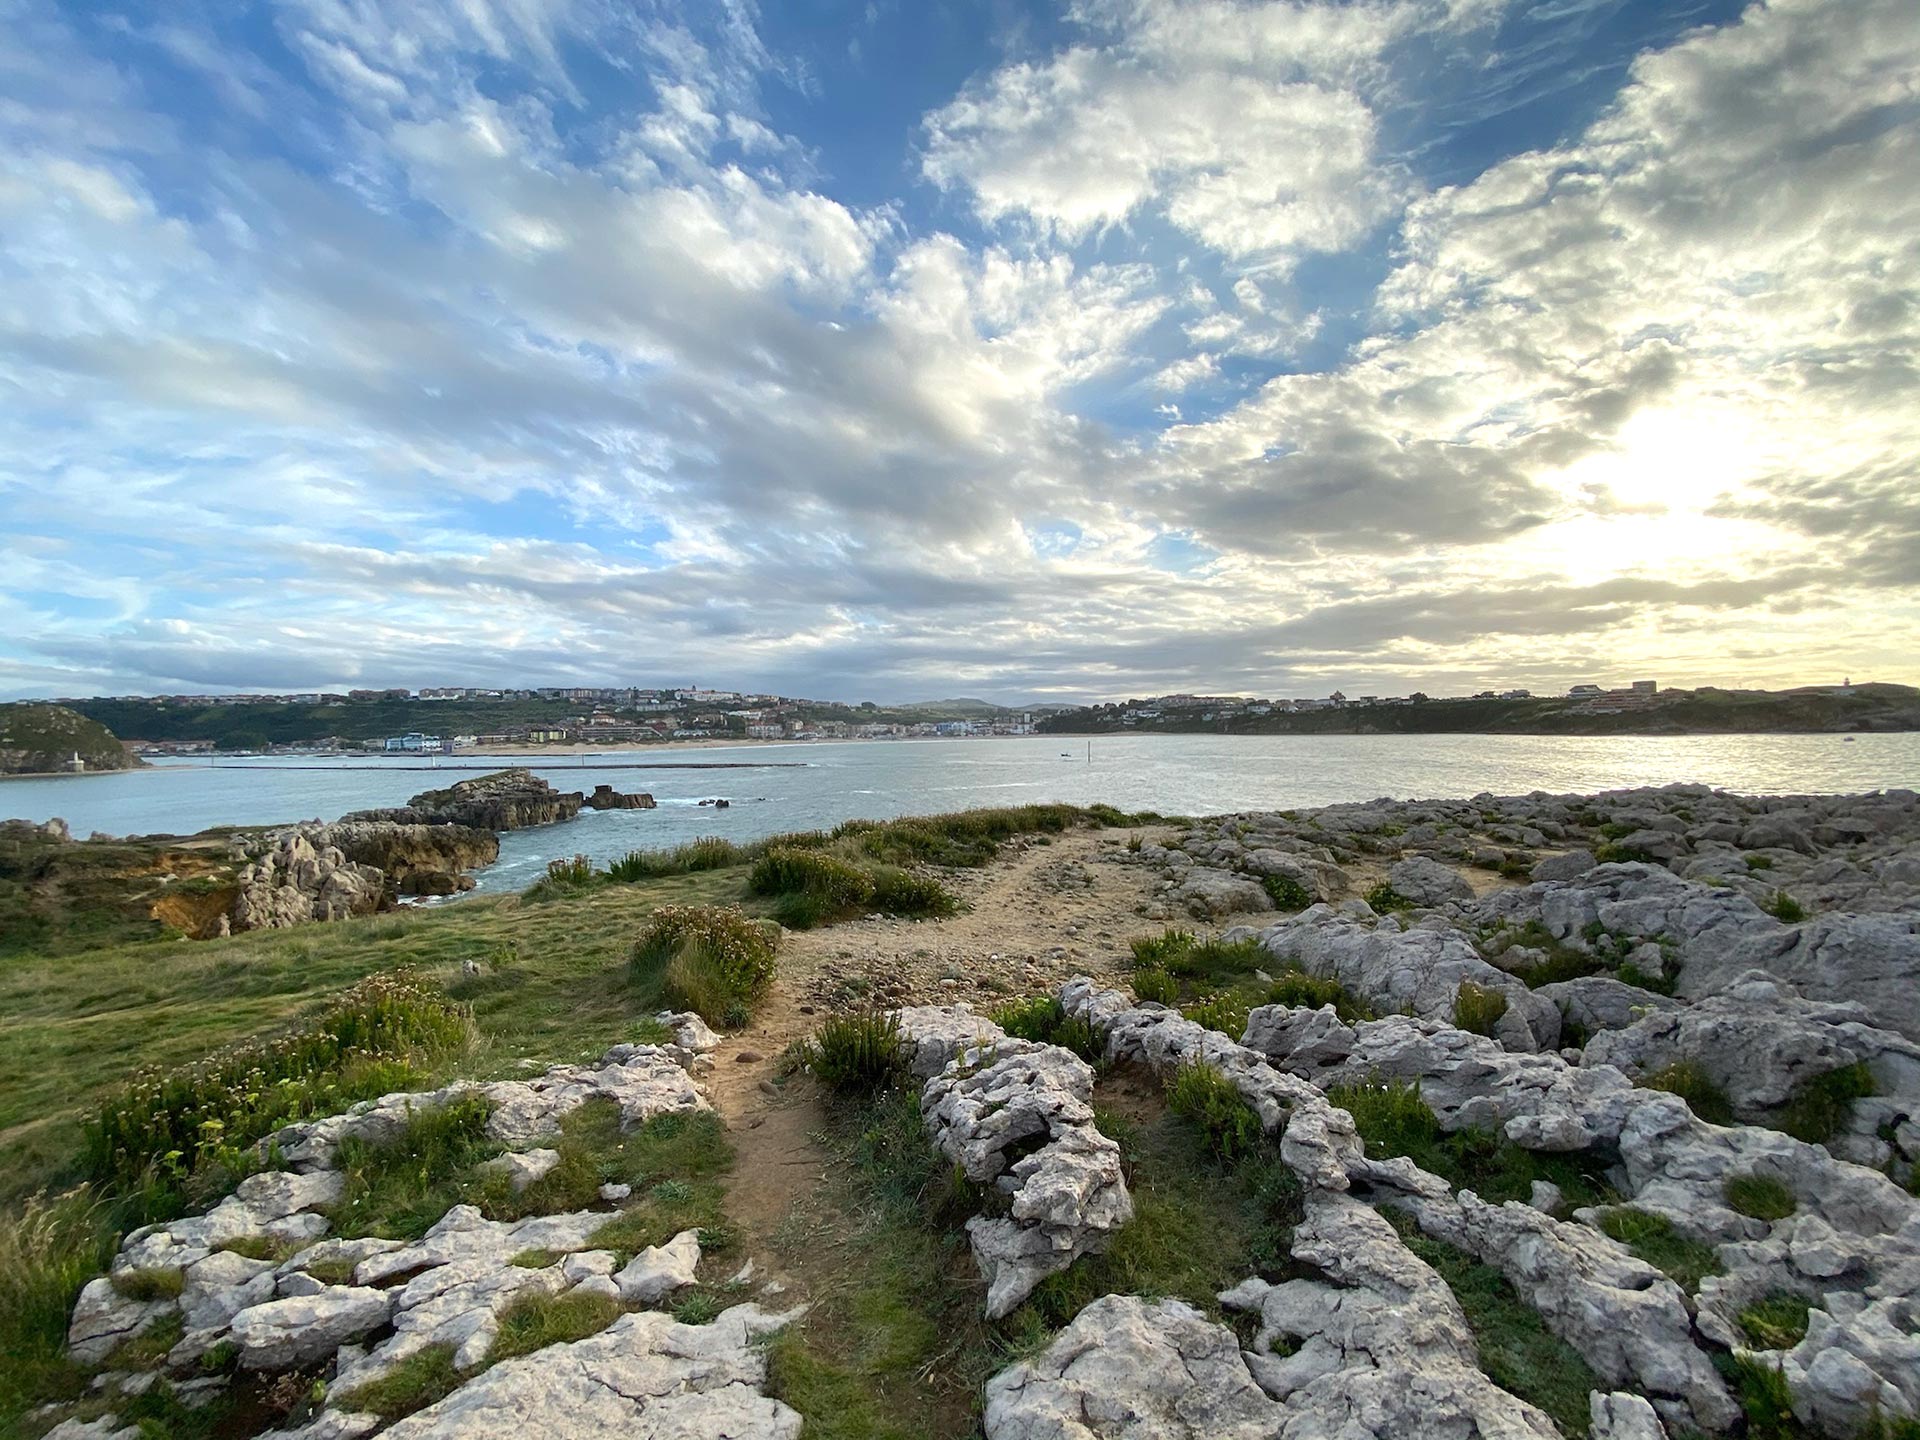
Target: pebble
(767, 1087)
(748, 1057)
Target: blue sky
(886, 350)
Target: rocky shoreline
(1704, 1008)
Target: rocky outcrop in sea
(505, 800)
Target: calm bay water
(819, 785)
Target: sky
(912, 348)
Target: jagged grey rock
(1599, 1002)
(934, 1034)
(645, 1377)
(1380, 1348)
(1133, 1369)
(1568, 866)
(1622, 1416)
(659, 1270)
(521, 1167)
(1418, 971)
(1210, 894)
(286, 1334)
(1427, 882)
(1626, 1319)
(1068, 1196)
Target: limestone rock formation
(605, 797)
(505, 800)
(417, 859)
(295, 882)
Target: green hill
(43, 739)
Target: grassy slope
(42, 737)
(73, 1027)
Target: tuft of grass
(699, 1306)
(1198, 1092)
(151, 1284)
(1759, 862)
(188, 1128)
(1777, 1321)
(1478, 1008)
(1631, 974)
(1784, 908)
(566, 875)
(859, 1053)
(533, 1322)
(707, 958)
(1163, 951)
(1517, 1351)
(1766, 1398)
(1286, 892)
(1653, 1238)
(416, 1382)
(1760, 1197)
(399, 1189)
(1823, 1107)
(49, 1248)
(1383, 898)
(1693, 1085)
(1153, 983)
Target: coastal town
(444, 720)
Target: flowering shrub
(187, 1129)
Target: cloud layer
(1248, 346)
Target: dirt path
(1040, 912)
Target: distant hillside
(43, 739)
(956, 709)
(1704, 711)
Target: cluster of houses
(1209, 708)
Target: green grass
(1225, 1013)
(1653, 1238)
(416, 1382)
(182, 1124)
(1823, 1107)
(1393, 1120)
(1776, 1322)
(1041, 1018)
(1298, 989)
(533, 1322)
(1760, 1197)
(896, 1348)
(399, 1188)
(1517, 1351)
(49, 1248)
(1693, 1085)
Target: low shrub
(1760, 1197)
(637, 865)
(1776, 1322)
(1823, 1107)
(187, 1130)
(1784, 908)
(813, 887)
(1200, 1093)
(1165, 951)
(1383, 898)
(573, 872)
(1153, 983)
(1653, 1238)
(1225, 1013)
(966, 838)
(151, 1284)
(1297, 989)
(859, 1053)
(904, 893)
(710, 852)
(1286, 892)
(1696, 1087)
(1389, 1116)
(1035, 1018)
(1759, 862)
(1631, 974)
(707, 958)
(1478, 1008)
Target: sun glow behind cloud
(1158, 344)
